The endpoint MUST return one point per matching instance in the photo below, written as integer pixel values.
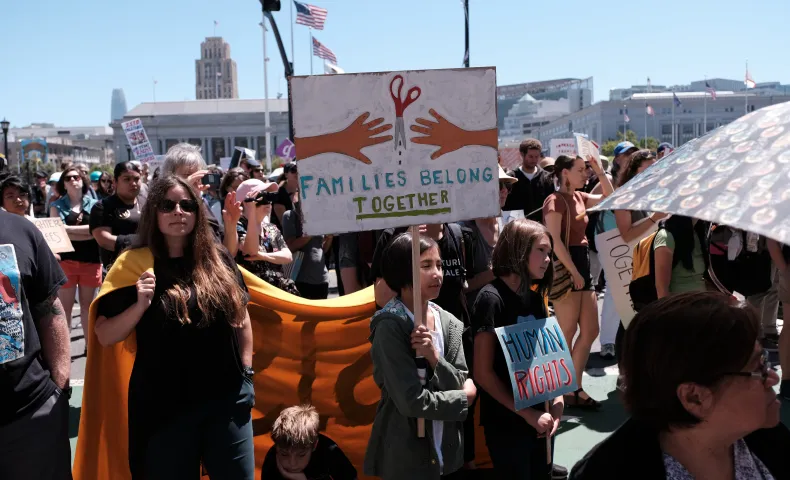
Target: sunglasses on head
(506, 185)
(187, 206)
(69, 178)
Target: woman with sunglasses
(699, 389)
(190, 391)
(82, 266)
(104, 186)
(262, 249)
(289, 186)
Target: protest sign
(286, 150)
(587, 147)
(562, 146)
(54, 232)
(538, 360)
(138, 140)
(380, 150)
(617, 261)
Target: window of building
(666, 129)
(195, 141)
(218, 149)
(688, 129)
(240, 142)
(170, 142)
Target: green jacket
(394, 450)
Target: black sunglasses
(69, 178)
(506, 185)
(187, 206)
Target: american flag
(310, 15)
(649, 110)
(749, 81)
(710, 90)
(320, 51)
(676, 100)
(626, 118)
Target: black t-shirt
(499, 306)
(177, 364)
(29, 275)
(120, 218)
(327, 462)
(86, 251)
(284, 199)
(455, 266)
(39, 201)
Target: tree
(608, 148)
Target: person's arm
(297, 243)
(104, 238)
(553, 222)
(230, 217)
(279, 210)
(604, 182)
(289, 233)
(350, 279)
(598, 189)
(775, 250)
(630, 231)
(252, 239)
(382, 292)
(79, 232)
(244, 335)
(53, 331)
(283, 257)
(327, 243)
(393, 358)
(112, 330)
(485, 347)
(447, 376)
(663, 265)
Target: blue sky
(61, 60)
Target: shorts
(80, 273)
(348, 250)
(580, 254)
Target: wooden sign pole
(548, 441)
(417, 306)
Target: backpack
(643, 276)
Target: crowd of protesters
(538, 258)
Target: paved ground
(578, 431)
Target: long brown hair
(511, 254)
(633, 164)
(216, 287)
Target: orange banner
(305, 351)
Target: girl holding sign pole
(572, 293)
(394, 450)
(523, 275)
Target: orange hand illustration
(349, 141)
(450, 137)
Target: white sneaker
(607, 351)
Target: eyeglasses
(105, 181)
(762, 372)
(506, 185)
(257, 170)
(187, 206)
(70, 178)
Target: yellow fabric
(304, 351)
(641, 259)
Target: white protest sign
(562, 146)
(380, 150)
(138, 140)
(616, 259)
(54, 233)
(587, 147)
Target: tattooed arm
(53, 331)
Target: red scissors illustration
(400, 105)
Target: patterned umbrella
(737, 175)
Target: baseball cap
(40, 174)
(252, 162)
(664, 146)
(623, 147)
(54, 177)
(95, 176)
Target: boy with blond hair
(301, 453)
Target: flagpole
(267, 118)
(705, 109)
(311, 49)
(625, 124)
(674, 143)
(746, 91)
(645, 126)
(292, 34)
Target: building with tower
(117, 104)
(215, 71)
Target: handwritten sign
(138, 140)
(54, 233)
(587, 147)
(617, 260)
(380, 150)
(538, 360)
(562, 146)
(286, 150)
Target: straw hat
(504, 177)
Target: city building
(718, 84)
(117, 104)
(217, 126)
(90, 145)
(215, 71)
(521, 108)
(697, 114)
(619, 94)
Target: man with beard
(534, 183)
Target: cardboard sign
(138, 140)
(587, 147)
(286, 150)
(538, 360)
(562, 146)
(54, 233)
(380, 150)
(617, 261)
